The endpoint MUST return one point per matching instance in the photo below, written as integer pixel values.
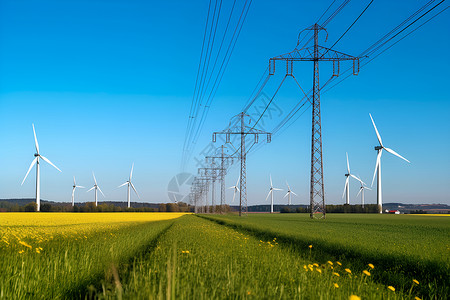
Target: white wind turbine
(129, 183)
(36, 161)
(271, 194)
(347, 183)
(378, 165)
(361, 191)
(95, 187)
(289, 192)
(73, 190)
(235, 188)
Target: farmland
(285, 256)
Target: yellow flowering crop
(391, 288)
(25, 231)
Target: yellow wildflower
(315, 264)
(319, 270)
(348, 271)
(336, 285)
(417, 298)
(371, 266)
(391, 288)
(366, 272)
(339, 263)
(37, 250)
(415, 281)
(336, 274)
(21, 251)
(330, 262)
(354, 297)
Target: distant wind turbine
(73, 190)
(289, 192)
(235, 188)
(271, 194)
(95, 187)
(36, 161)
(361, 191)
(347, 183)
(129, 183)
(378, 165)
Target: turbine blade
(231, 187)
(135, 190)
(294, 193)
(90, 189)
(73, 193)
(29, 169)
(95, 180)
(348, 165)
(345, 187)
(100, 190)
(289, 188)
(46, 159)
(376, 165)
(79, 186)
(131, 173)
(367, 188)
(122, 184)
(237, 182)
(395, 153)
(376, 130)
(275, 189)
(271, 185)
(238, 189)
(268, 195)
(35, 140)
(286, 195)
(359, 192)
(357, 178)
(234, 196)
(74, 181)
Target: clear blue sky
(109, 83)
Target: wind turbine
(271, 194)
(129, 183)
(289, 192)
(96, 187)
(235, 188)
(361, 191)
(347, 183)
(36, 161)
(378, 165)
(73, 190)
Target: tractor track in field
(106, 281)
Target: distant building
(396, 212)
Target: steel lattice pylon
(316, 53)
(243, 130)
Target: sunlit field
(186, 256)
(59, 255)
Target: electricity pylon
(315, 53)
(211, 175)
(225, 161)
(243, 130)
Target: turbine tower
(289, 192)
(95, 187)
(347, 183)
(379, 150)
(129, 183)
(271, 194)
(37, 156)
(73, 190)
(235, 188)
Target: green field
(260, 256)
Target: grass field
(176, 256)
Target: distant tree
(46, 207)
(32, 206)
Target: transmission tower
(225, 161)
(315, 53)
(243, 130)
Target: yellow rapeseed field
(27, 231)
